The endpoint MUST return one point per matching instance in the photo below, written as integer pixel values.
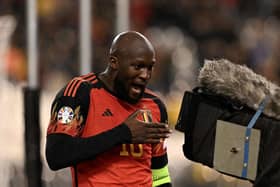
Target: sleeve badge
(65, 114)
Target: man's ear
(114, 63)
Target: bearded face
(132, 60)
(128, 89)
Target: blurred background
(184, 33)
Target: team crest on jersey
(65, 114)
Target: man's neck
(107, 79)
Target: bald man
(108, 127)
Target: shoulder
(76, 93)
(79, 86)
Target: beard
(122, 92)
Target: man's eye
(150, 67)
(137, 66)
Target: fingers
(158, 128)
(157, 132)
(157, 138)
(157, 125)
(150, 134)
(154, 141)
(146, 132)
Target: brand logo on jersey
(107, 112)
(65, 114)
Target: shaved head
(128, 43)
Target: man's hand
(143, 132)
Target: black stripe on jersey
(159, 162)
(161, 106)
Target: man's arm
(160, 172)
(161, 177)
(64, 150)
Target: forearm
(63, 150)
(160, 171)
(161, 177)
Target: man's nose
(145, 73)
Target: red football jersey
(126, 164)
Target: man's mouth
(137, 88)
